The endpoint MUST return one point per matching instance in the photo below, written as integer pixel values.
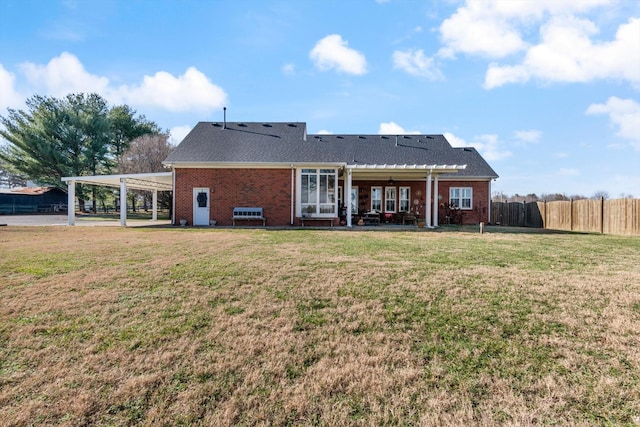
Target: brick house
(295, 177)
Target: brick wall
(480, 203)
(269, 189)
(478, 213)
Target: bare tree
(600, 194)
(145, 155)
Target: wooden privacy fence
(620, 216)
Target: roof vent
(292, 125)
(267, 125)
(340, 137)
(429, 137)
(218, 125)
(361, 137)
(468, 149)
(406, 137)
(384, 137)
(242, 125)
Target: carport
(160, 181)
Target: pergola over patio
(429, 173)
(159, 181)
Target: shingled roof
(288, 143)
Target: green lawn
(175, 326)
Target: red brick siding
(269, 189)
(479, 204)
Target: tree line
(499, 196)
(78, 135)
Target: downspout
(293, 171)
(489, 208)
(173, 197)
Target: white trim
(435, 201)
(251, 165)
(459, 199)
(427, 202)
(138, 181)
(299, 212)
(432, 168)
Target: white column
(435, 201)
(71, 202)
(427, 203)
(347, 196)
(154, 206)
(123, 202)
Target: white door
(201, 206)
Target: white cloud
(9, 97)
(64, 74)
(392, 128)
(178, 133)
(566, 53)
(332, 52)
(478, 29)
(416, 64)
(324, 132)
(624, 114)
(192, 91)
(527, 136)
(495, 28)
(289, 69)
(488, 145)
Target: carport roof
(161, 181)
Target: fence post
(601, 214)
(571, 214)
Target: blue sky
(548, 91)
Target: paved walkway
(35, 220)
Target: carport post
(71, 202)
(123, 202)
(154, 207)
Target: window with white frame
(318, 191)
(390, 199)
(461, 197)
(405, 199)
(376, 199)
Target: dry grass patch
(113, 326)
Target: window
(390, 199)
(461, 197)
(318, 192)
(405, 199)
(376, 199)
